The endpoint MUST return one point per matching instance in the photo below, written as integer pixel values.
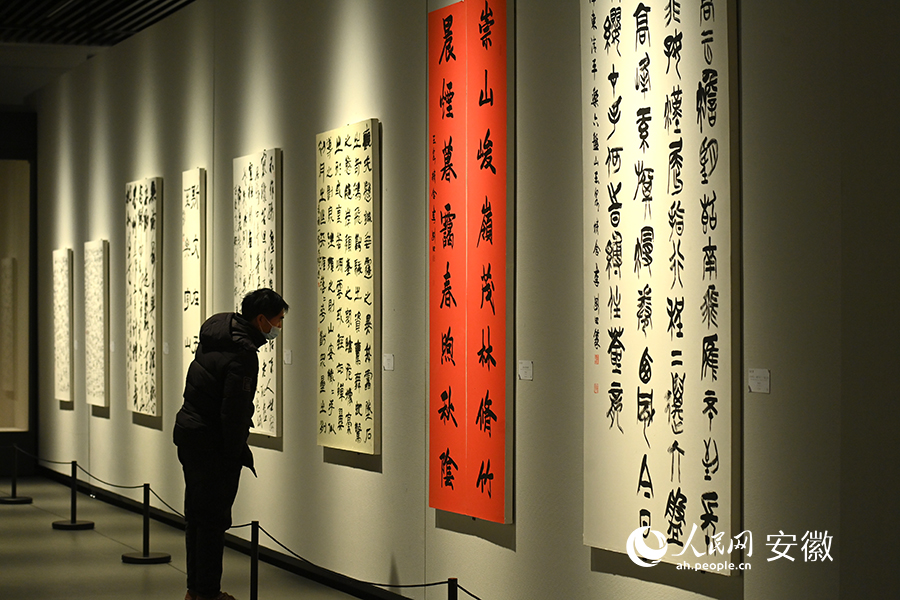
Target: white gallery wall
(224, 79)
(142, 112)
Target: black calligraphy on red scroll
(467, 258)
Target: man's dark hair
(265, 302)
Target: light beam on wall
(353, 80)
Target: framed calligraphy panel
(96, 322)
(660, 310)
(63, 341)
(348, 181)
(193, 261)
(8, 320)
(257, 264)
(143, 293)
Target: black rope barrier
(291, 552)
(169, 506)
(17, 451)
(147, 557)
(451, 583)
(144, 557)
(121, 487)
(39, 459)
(469, 593)
(407, 585)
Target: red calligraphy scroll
(467, 249)
(447, 266)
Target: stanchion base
(153, 558)
(73, 525)
(16, 500)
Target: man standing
(212, 428)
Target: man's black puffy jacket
(219, 388)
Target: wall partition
(15, 305)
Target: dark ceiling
(80, 22)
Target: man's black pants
(210, 487)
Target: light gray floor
(38, 562)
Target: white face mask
(273, 332)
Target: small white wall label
(526, 370)
(759, 380)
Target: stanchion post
(74, 503)
(14, 498)
(254, 560)
(15, 473)
(74, 523)
(147, 557)
(452, 588)
(146, 519)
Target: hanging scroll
(63, 342)
(8, 324)
(193, 261)
(467, 115)
(348, 179)
(257, 264)
(143, 232)
(96, 322)
(657, 275)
